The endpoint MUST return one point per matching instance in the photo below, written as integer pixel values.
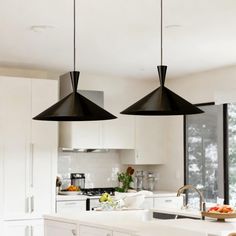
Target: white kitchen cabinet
(150, 142)
(109, 134)
(85, 230)
(119, 133)
(28, 149)
(44, 143)
(168, 202)
(54, 228)
(23, 228)
(70, 206)
(148, 203)
(86, 134)
(15, 145)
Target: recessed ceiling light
(41, 28)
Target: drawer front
(71, 206)
(93, 231)
(54, 228)
(170, 202)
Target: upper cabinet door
(150, 140)
(15, 134)
(44, 95)
(44, 145)
(119, 133)
(81, 134)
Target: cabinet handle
(168, 200)
(27, 200)
(27, 231)
(74, 232)
(32, 204)
(31, 165)
(70, 203)
(31, 231)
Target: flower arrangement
(125, 179)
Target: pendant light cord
(161, 32)
(74, 35)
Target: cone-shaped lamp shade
(162, 101)
(74, 107)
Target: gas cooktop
(98, 191)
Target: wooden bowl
(219, 216)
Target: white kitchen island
(131, 223)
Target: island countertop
(140, 223)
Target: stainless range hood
(73, 135)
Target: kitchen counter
(164, 193)
(161, 193)
(140, 223)
(74, 197)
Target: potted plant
(125, 179)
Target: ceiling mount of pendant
(74, 107)
(162, 101)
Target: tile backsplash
(100, 168)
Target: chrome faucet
(202, 206)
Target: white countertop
(139, 223)
(73, 197)
(161, 193)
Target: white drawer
(71, 206)
(170, 202)
(93, 231)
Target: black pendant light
(74, 107)
(162, 101)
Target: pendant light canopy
(162, 101)
(74, 107)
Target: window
(210, 153)
(232, 153)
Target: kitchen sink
(169, 216)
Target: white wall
(100, 168)
(211, 86)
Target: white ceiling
(119, 37)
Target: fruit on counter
(106, 197)
(221, 209)
(73, 188)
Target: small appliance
(78, 179)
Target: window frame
(225, 149)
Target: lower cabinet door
(93, 231)
(148, 203)
(23, 228)
(54, 228)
